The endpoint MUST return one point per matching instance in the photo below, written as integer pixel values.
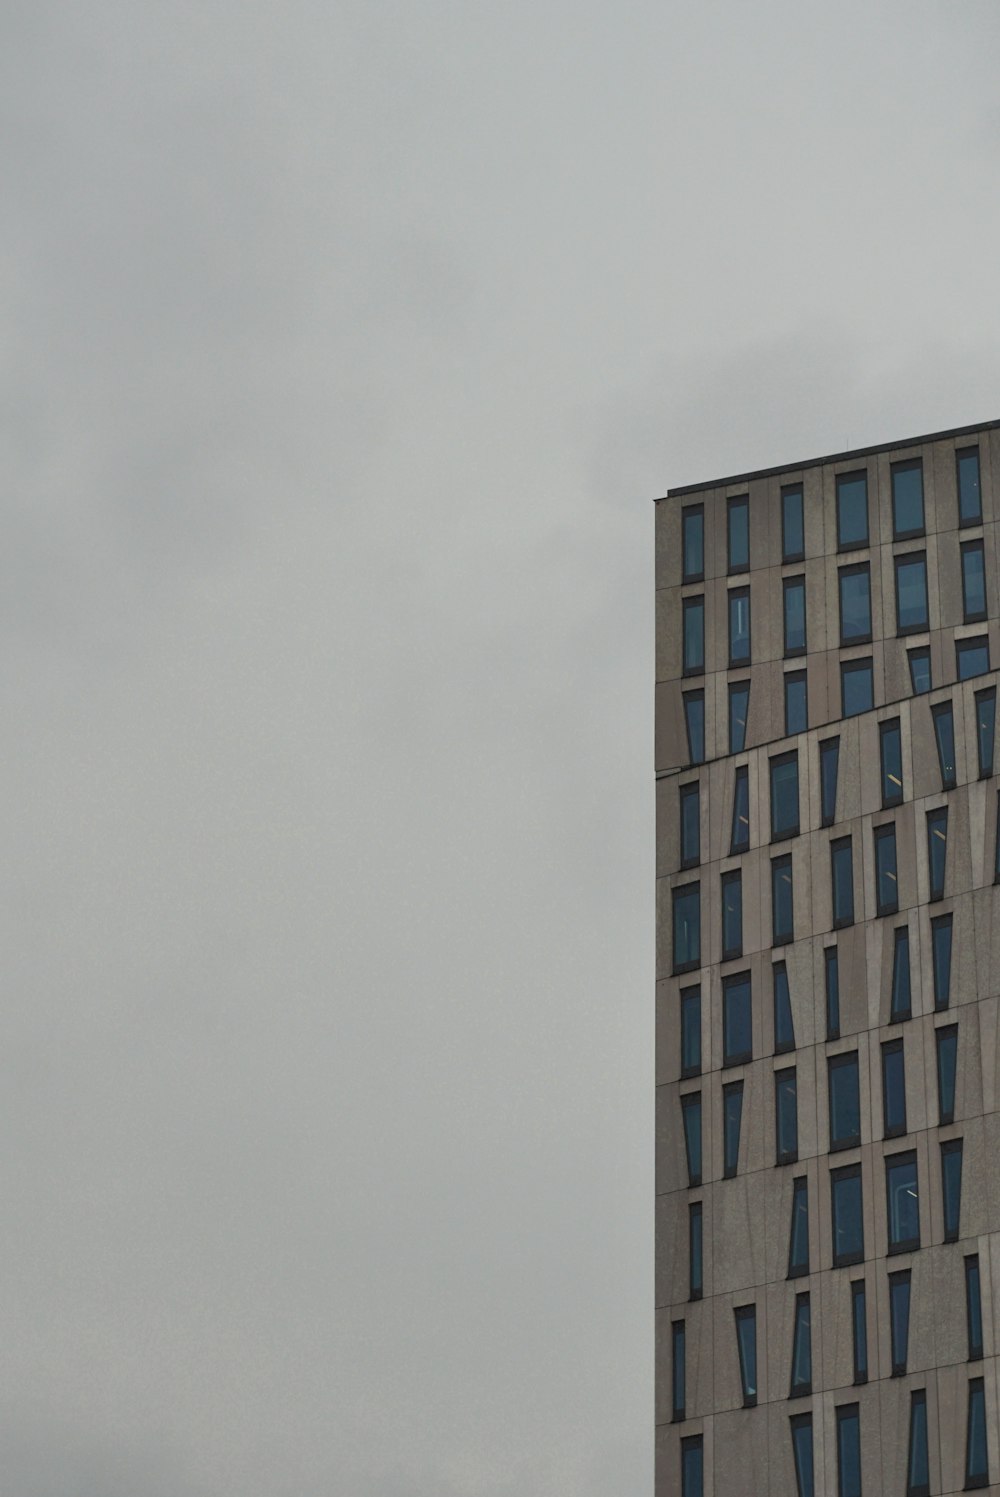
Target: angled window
(920, 669)
(801, 1382)
(986, 714)
(739, 706)
(847, 1218)
(899, 1320)
(859, 1331)
(937, 849)
(739, 839)
(694, 723)
(798, 1236)
(829, 760)
(951, 1187)
(890, 744)
(848, 1450)
(842, 882)
(690, 799)
(973, 1308)
(973, 582)
(737, 1036)
(886, 882)
(692, 1467)
(941, 960)
(977, 1467)
(944, 736)
(893, 1089)
(690, 1031)
(696, 1245)
(794, 613)
(693, 543)
(902, 1204)
(907, 499)
(970, 499)
(845, 1101)
(918, 1467)
(786, 1117)
(793, 535)
(857, 689)
(677, 1362)
(900, 1002)
(739, 626)
(796, 703)
(911, 593)
(972, 657)
(852, 511)
(855, 588)
(782, 912)
(802, 1454)
(784, 1030)
(738, 533)
(687, 927)
(691, 1116)
(732, 914)
(732, 1119)
(746, 1343)
(693, 619)
(831, 989)
(784, 772)
(946, 1043)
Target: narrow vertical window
(739, 706)
(690, 816)
(739, 626)
(857, 687)
(852, 511)
(973, 582)
(801, 1349)
(977, 1468)
(893, 1089)
(973, 1308)
(794, 614)
(746, 1342)
(920, 669)
(793, 535)
(902, 1203)
(918, 1469)
(691, 1115)
(937, 849)
(996, 845)
(694, 723)
(946, 1042)
(784, 771)
(782, 912)
(732, 914)
(696, 1246)
(831, 988)
(739, 839)
(690, 1031)
(951, 1187)
(847, 1217)
(842, 882)
(886, 881)
(678, 1361)
(859, 1331)
(693, 543)
(796, 703)
(848, 1450)
(687, 927)
(802, 1454)
(944, 736)
(891, 757)
(900, 1002)
(829, 759)
(732, 1119)
(738, 533)
(692, 1467)
(941, 960)
(737, 1026)
(911, 593)
(786, 1117)
(693, 621)
(899, 1320)
(798, 1236)
(970, 499)
(784, 1030)
(907, 499)
(972, 657)
(844, 1101)
(854, 586)
(986, 715)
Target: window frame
(943, 723)
(795, 679)
(691, 512)
(841, 480)
(986, 696)
(831, 990)
(951, 1214)
(965, 520)
(977, 1478)
(973, 1308)
(842, 919)
(848, 1415)
(689, 1003)
(696, 1251)
(844, 574)
(865, 665)
(847, 1061)
(838, 1177)
(801, 1387)
(938, 817)
(732, 1092)
(678, 893)
(792, 491)
(689, 606)
(901, 938)
(899, 563)
(779, 867)
(964, 647)
(734, 504)
(973, 548)
(805, 1476)
(778, 762)
(914, 1486)
(781, 994)
(901, 1281)
(741, 791)
(678, 1372)
(735, 688)
(831, 746)
(890, 728)
(788, 586)
(942, 991)
(694, 700)
(859, 1331)
(686, 794)
(946, 1034)
(800, 1193)
(891, 1128)
(787, 1077)
(911, 655)
(900, 1160)
(731, 935)
(746, 1352)
(737, 988)
(907, 465)
(691, 1107)
(737, 595)
(692, 1445)
(884, 843)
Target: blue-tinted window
(920, 669)
(746, 1342)
(899, 1320)
(852, 511)
(944, 736)
(848, 1451)
(886, 881)
(737, 1027)
(678, 1345)
(801, 1349)
(690, 1031)
(794, 590)
(687, 927)
(907, 499)
(793, 541)
(690, 815)
(842, 881)
(911, 592)
(732, 1120)
(893, 1089)
(798, 1236)
(691, 1115)
(739, 626)
(855, 604)
(859, 1331)
(786, 1117)
(784, 796)
(937, 849)
(831, 987)
(738, 533)
(796, 703)
(891, 755)
(900, 1003)
(696, 1246)
(732, 914)
(784, 1030)
(946, 1041)
(973, 581)
(694, 722)
(692, 1467)
(977, 1466)
(782, 913)
(802, 1452)
(857, 687)
(739, 839)
(693, 617)
(941, 959)
(986, 713)
(951, 1187)
(972, 657)
(829, 758)
(918, 1469)
(739, 706)
(970, 501)
(973, 1308)
(902, 1202)
(845, 1100)
(693, 543)
(848, 1222)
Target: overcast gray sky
(344, 348)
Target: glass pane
(944, 734)
(784, 1032)
(855, 605)
(695, 1250)
(941, 958)
(848, 1452)
(829, 757)
(845, 1101)
(746, 1340)
(690, 824)
(798, 1242)
(796, 704)
(856, 687)
(802, 1448)
(739, 534)
(918, 1466)
(694, 720)
(902, 1205)
(691, 1113)
(732, 914)
(831, 980)
(951, 1186)
(694, 635)
(947, 1058)
(842, 876)
(899, 1319)
(792, 528)
(852, 510)
(692, 1469)
(732, 1116)
(737, 1041)
(739, 703)
(795, 615)
(687, 927)
(886, 883)
(973, 581)
(900, 1005)
(690, 1031)
(976, 1464)
(678, 1368)
(782, 918)
(693, 544)
(848, 1228)
(740, 838)
(911, 592)
(920, 670)
(972, 657)
(786, 1116)
(970, 504)
(739, 625)
(891, 745)
(907, 498)
(893, 1089)
(859, 1331)
(973, 1309)
(801, 1347)
(937, 848)
(986, 710)
(785, 796)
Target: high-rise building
(828, 976)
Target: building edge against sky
(828, 975)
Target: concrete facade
(745, 1426)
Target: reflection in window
(737, 1035)
(973, 1308)
(886, 882)
(794, 613)
(848, 1223)
(746, 1342)
(944, 736)
(782, 915)
(891, 757)
(690, 816)
(899, 1320)
(739, 626)
(973, 581)
(802, 1451)
(986, 712)
(739, 705)
(855, 590)
(977, 1469)
(696, 1241)
(946, 1043)
(798, 1237)
(693, 618)
(911, 592)
(893, 1089)
(848, 1451)
(801, 1349)
(739, 839)
(692, 1467)
(677, 1362)
(937, 849)
(852, 510)
(732, 1119)
(902, 1203)
(738, 533)
(693, 543)
(907, 499)
(694, 722)
(691, 1116)
(831, 986)
(941, 959)
(844, 1101)
(972, 657)
(784, 1031)
(857, 691)
(784, 772)
(796, 703)
(920, 669)
(970, 503)
(786, 1117)
(951, 1187)
(918, 1470)
(859, 1331)
(690, 1031)
(687, 927)
(829, 759)
(732, 914)
(842, 881)
(900, 1002)
(793, 543)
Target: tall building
(828, 976)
